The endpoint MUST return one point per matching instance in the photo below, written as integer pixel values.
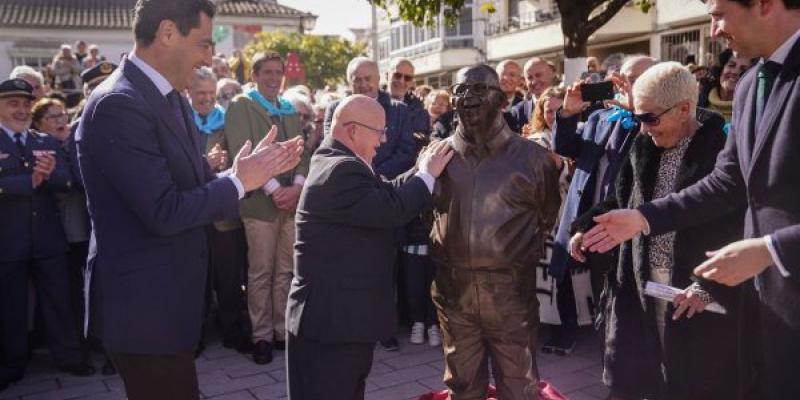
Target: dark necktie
(21, 149)
(766, 78)
(174, 99)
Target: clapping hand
(45, 164)
(254, 167)
(217, 158)
(435, 157)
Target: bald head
(539, 75)
(358, 123)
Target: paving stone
(412, 360)
(217, 383)
(398, 392)
(270, 392)
(433, 382)
(243, 395)
(403, 376)
(578, 395)
(106, 396)
(23, 388)
(380, 368)
(572, 381)
(597, 389)
(72, 392)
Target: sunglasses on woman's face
(399, 76)
(651, 119)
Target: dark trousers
(418, 272)
(76, 267)
(158, 377)
(13, 321)
(331, 371)
(228, 256)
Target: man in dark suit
(539, 75)
(152, 195)
(32, 241)
(758, 168)
(342, 296)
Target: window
(407, 36)
(513, 10)
(395, 38)
(465, 22)
(676, 46)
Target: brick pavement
(227, 375)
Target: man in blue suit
(152, 195)
(758, 168)
(398, 153)
(32, 239)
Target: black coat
(700, 354)
(343, 289)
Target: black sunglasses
(651, 119)
(398, 76)
(478, 89)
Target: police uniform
(32, 241)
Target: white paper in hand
(668, 293)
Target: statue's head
(477, 98)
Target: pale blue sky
(335, 16)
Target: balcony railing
(523, 21)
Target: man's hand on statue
(576, 249)
(689, 302)
(573, 101)
(613, 228)
(736, 262)
(435, 158)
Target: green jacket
(247, 120)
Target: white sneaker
(417, 333)
(434, 336)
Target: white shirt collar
(162, 84)
(10, 133)
(782, 53)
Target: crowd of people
(666, 127)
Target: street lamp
(307, 23)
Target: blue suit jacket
(399, 152)
(520, 114)
(759, 168)
(31, 226)
(587, 146)
(151, 195)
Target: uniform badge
(3, 156)
(106, 68)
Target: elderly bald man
(342, 296)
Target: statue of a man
(493, 207)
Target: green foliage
(325, 58)
(423, 12)
(644, 5)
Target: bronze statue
(493, 207)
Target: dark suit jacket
(31, 226)
(587, 146)
(759, 168)
(520, 114)
(343, 289)
(151, 195)
(399, 152)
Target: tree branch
(612, 8)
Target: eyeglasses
(651, 119)
(381, 131)
(398, 76)
(59, 116)
(479, 89)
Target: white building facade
(31, 31)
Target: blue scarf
(623, 115)
(726, 128)
(284, 106)
(215, 120)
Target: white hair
(357, 62)
(205, 74)
(667, 84)
(21, 71)
(299, 100)
(503, 64)
(629, 61)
